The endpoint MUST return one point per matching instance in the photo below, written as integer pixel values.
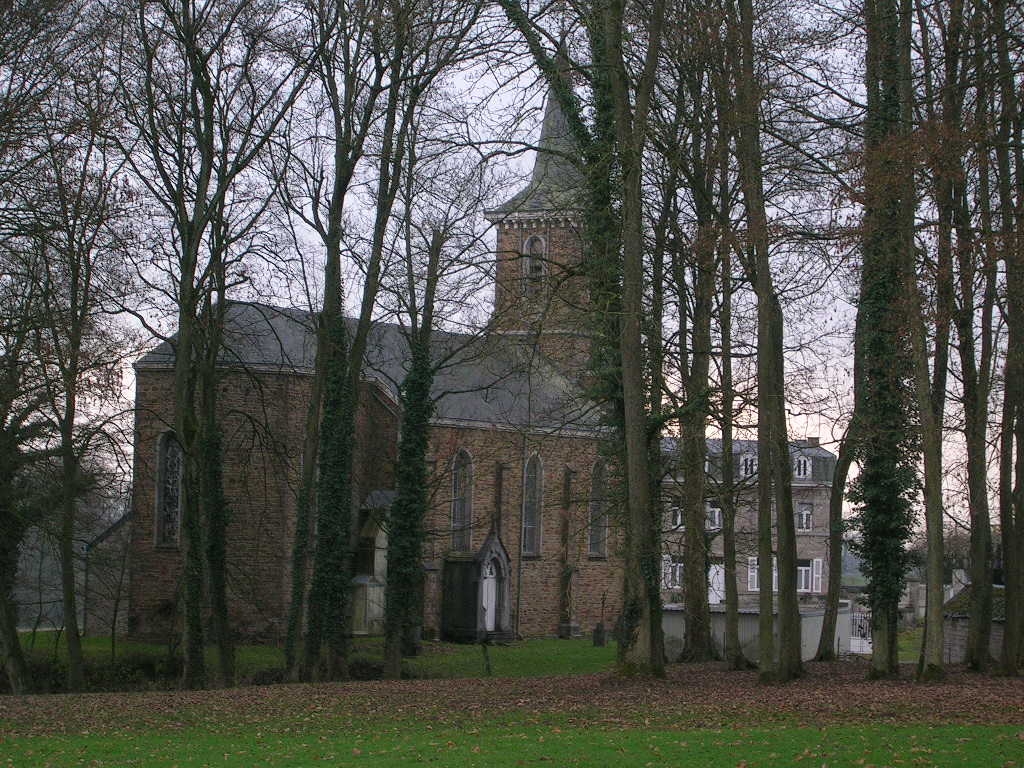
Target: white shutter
(666, 571)
(775, 574)
(752, 574)
(816, 576)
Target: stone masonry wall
(264, 421)
(534, 581)
(552, 312)
(263, 427)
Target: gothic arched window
(462, 501)
(170, 472)
(533, 265)
(598, 512)
(533, 490)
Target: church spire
(556, 181)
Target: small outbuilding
(957, 617)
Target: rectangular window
(672, 571)
(803, 575)
(713, 516)
(805, 517)
(752, 575)
(676, 514)
(598, 539)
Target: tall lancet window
(533, 265)
(533, 493)
(598, 513)
(462, 501)
(170, 472)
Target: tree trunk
(215, 505)
(10, 644)
(883, 395)
(827, 639)
(405, 532)
(693, 429)
(930, 666)
(69, 494)
(646, 653)
(194, 669)
(774, 462)
(977, 374)
(733, 649)
(1011, 472)
(304, 510)
(404, 586)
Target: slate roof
(960, 603)
(670, 446)
(556, 182)
(488, 381)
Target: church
(521, 535)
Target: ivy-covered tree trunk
(11, 655)
(330, 591)
(305, 507)
(405, 527)
(613, 263)
(883, 397)
(186, 432)
(404, 591)
(214, 504)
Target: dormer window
(533, 265)
(802, 467)
(748, 465)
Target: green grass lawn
(909, 644)
(532, 658)
(517, 744)
(702, 715)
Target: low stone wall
(955, 639)
(673, 624)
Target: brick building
(813, 467)
(520, 540)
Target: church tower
(541, 293)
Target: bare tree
(203, 87)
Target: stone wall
(550, 311)
(535, 581)
(264, 422)
(954, 639)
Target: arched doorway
(489, 595)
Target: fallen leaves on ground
(691, 696)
